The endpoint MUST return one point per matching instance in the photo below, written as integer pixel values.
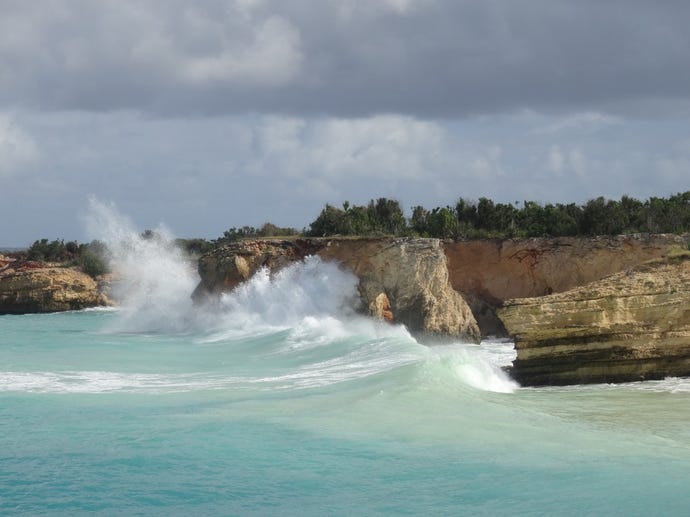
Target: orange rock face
(488, 272)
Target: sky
(208, 114)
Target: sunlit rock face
(488, 272)
(401, 280)
(32, 287)
(630, 326)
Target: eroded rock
(410, 274)
(631, 326)
(490, 271)
(33, 287)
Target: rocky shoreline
(581, 310)
(37, 287)
(513, 287)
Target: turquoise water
(280, 400)
(326, 416)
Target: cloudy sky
(209, 114)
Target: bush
(92, 264)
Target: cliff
(29, 287)
(490, 271)
(401, 280)
(630, 326)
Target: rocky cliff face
(412, 276)
(402, 280)
(488, 272)
(29, 287)
(631, 326)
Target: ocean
(282, 400)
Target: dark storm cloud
(344, 58)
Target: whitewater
(280, 399)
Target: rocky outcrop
(490, 271)
(224, 268)
(631, 326)
(413, 276)
(30, 287)
(401, 280)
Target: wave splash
(153, 277)
(306, 315)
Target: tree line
(485, 218)
(89, 257)
(467, 219)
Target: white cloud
(271, 58)
(571, 161)
(578, 162)
(587, 121)
(487, 164)
(555, 160)
(375, 147)
(17, 148)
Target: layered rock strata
(490, 271)
(631, 326)
(34, 287)
(401, 280)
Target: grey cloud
(424, 58)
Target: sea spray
(153, 277)
(307, 312)
(312, 288)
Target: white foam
(309, 288)
(154, 279)
(105, 382)
(477, 366)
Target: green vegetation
(90, 258)
(465, 220)
(246, 232)
(383, 217)
(484, 218)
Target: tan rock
(490, 271)
(633, 325)
(410, 274)
(47, 289)
(224, 268)
(413, 275)
(380, 308)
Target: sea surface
(281, 400)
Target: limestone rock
(31, 287)
(413, 275)
(224, 268)
(634, 325)
(380, 308)
(401, 280)
(490, 271)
